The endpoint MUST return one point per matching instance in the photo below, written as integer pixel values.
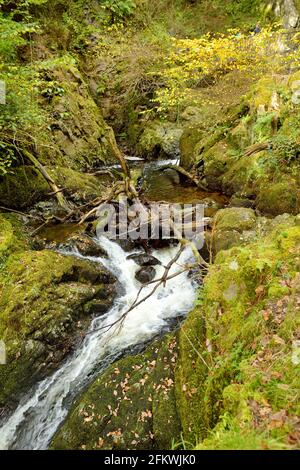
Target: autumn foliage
(200, 62)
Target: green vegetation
(167, 78)
(235, 384)
(42, 301)
(131, 406)
(243, 367)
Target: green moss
(188, 141)
(193, 366)
(130, 406)
(78, 131)
(160, 139)
(13, 236)
(214, 164)
(26, 186)
(42, 297)
(240, 354)
(235, 219)
(279, 198)
(233, 226)
(261, 93)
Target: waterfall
(42, 411)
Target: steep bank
(43, 410)
(228, 377)
(45, 308)
(227, 380)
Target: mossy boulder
(244, 175)
(213, 164)
(279, 198)
(130, 406)
(238, 368)
(233, 226)
(26, 186)
(160, 139)
(84, 244)
(188, 146)
(42, 309)
(77, 129)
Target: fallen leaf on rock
(278, 340)
(100, 442)
(278, 419)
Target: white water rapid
(42, 411)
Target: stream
(43, 410)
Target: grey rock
(145, 274)
(144, 260)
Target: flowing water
(39, 415)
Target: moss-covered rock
(213, 165)
(26, 186)
(238, 368)
(279, 198)
(130, 406)
(233, 226)
(77, 130)
(188, 146)
(13, 236)
(231, 156)
(160, 139)
(42, 308)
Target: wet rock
(96, 307)
(149, 411)
(238, 201)
(85, 245)
(127, 245)
(211, 203)
(47, 209)
(172, 175)
(145, 274)
(44, 308)
(160, 139)
(144, 259)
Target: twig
(188, 175)
(196, 350)
(102, 172)
(18, 212)
(137, 302)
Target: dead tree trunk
(56, 191)
(117, 152)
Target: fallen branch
(56, 191)
(117, 152)
(188, 175)
(6, 209)
(256, 148)
(102, 172)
